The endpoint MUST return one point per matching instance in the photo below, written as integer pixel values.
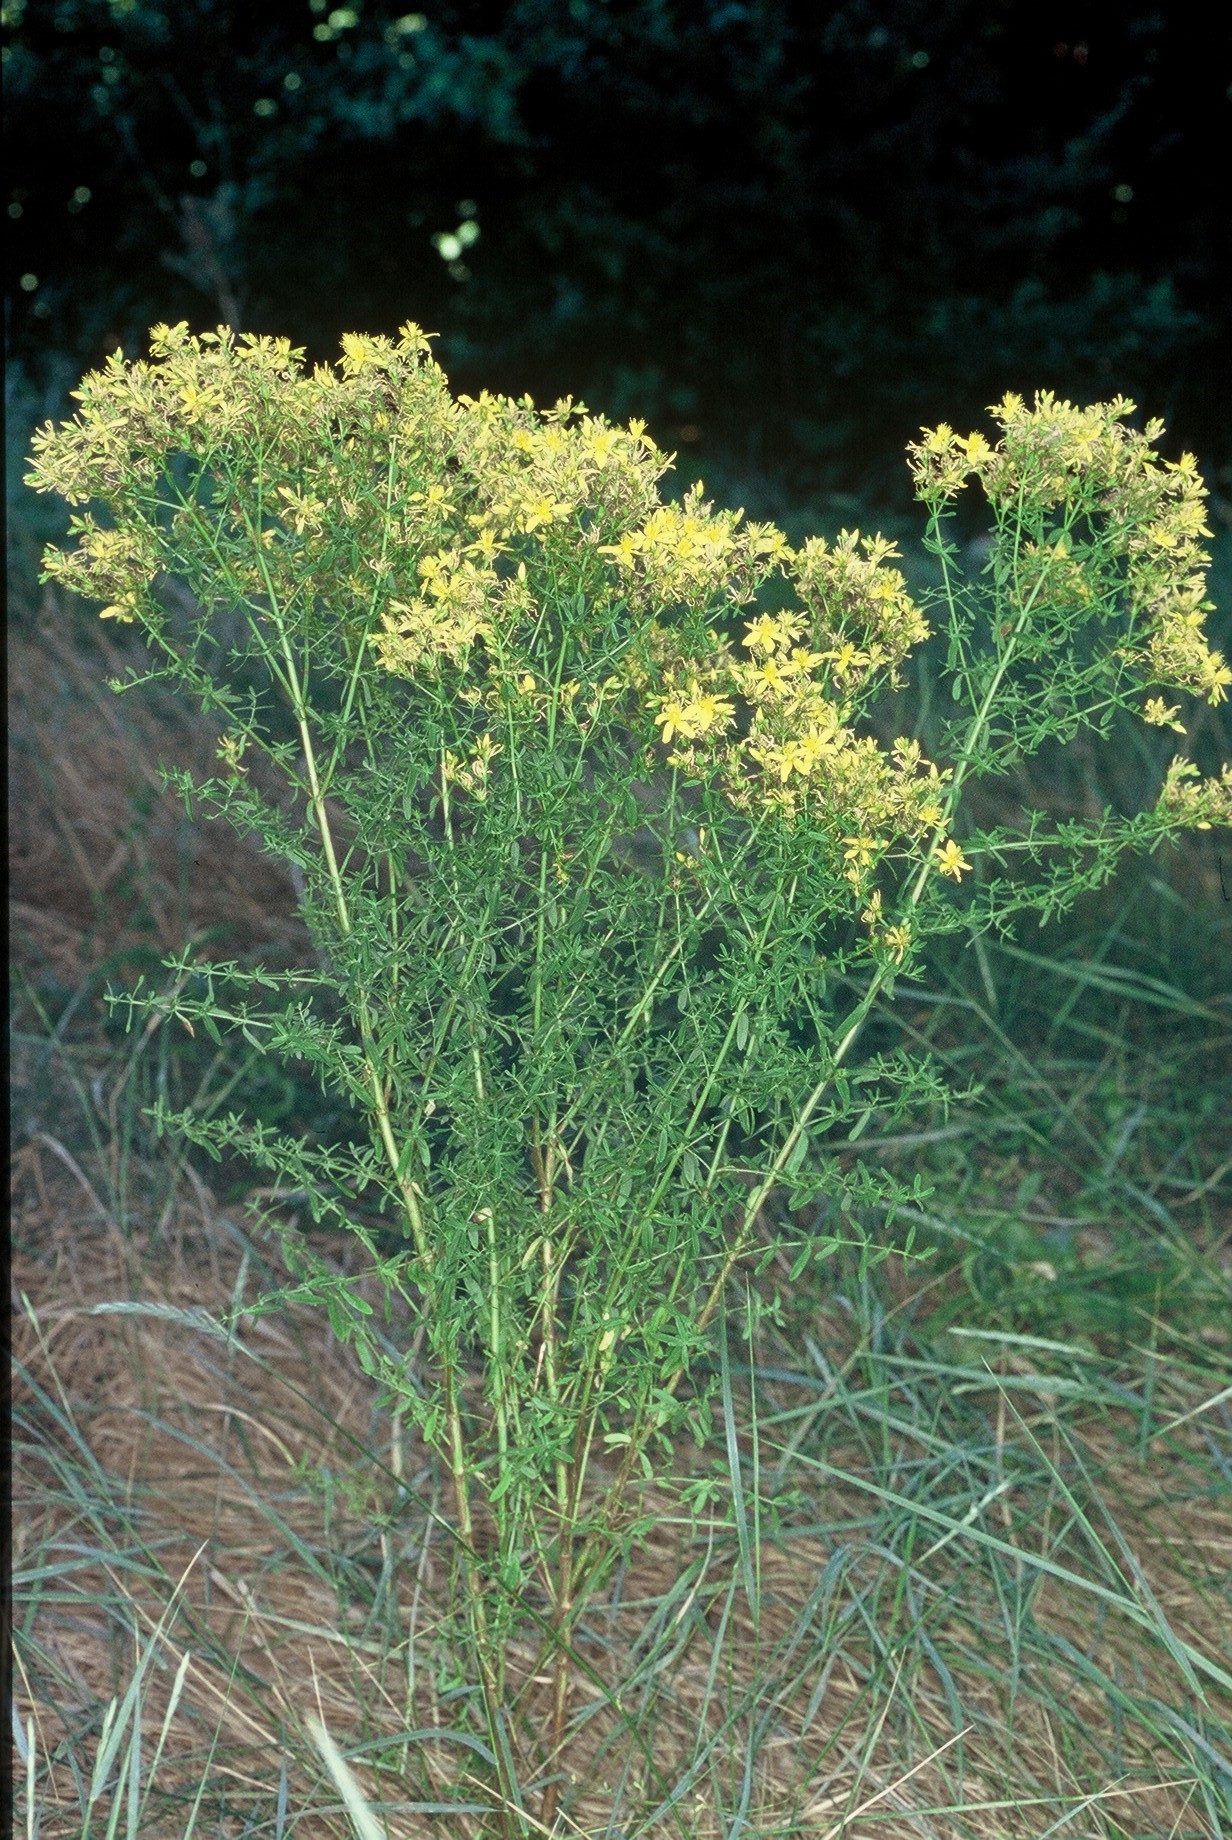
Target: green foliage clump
(605, 873)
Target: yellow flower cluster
(800, 754)
(536, 472)
(1162, 715)
(689, 553)
(367, 484)
(472, 774)
(1180, 657)
(276, 445)
(452, 533)
(561, 478)
(1198, 803)
(1148, 515)
(853, 594)
(701, 713)
(799, 675)
(455, 608)
(113, 565)
(1042, 452)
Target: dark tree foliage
(787, 231)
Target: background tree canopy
(787, 232)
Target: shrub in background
(900, 209)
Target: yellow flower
(770, 678)
(434, 499)
(707, 712)
(356, 353)
(601, 444)
(625, 550)
(303, 511)
(195, 402)
(486, 545)
(847, 658)
(1198, 805)
(767, 541)
(952, 862)
(938, 440)
(859, 851)
(807, 750)
(1159, 715)
(544, 510)
(698, 717)
(165, 339)
(672, 719)
(897, 940)
(762, 634)
(1216, 678)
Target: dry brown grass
(261, 1475)
(102, 859)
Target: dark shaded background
(785, 233)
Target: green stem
(562, 1609)
(851, 1030)
(380, 1103)
(882, 976)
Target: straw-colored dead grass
(102, 859)
(260, 1477)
